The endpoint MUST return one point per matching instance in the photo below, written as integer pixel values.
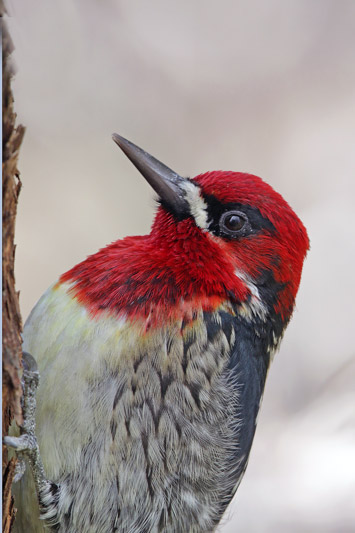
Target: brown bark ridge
(12, 324)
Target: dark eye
(232, 222)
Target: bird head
(221, 238)
(225, 234)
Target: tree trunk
(12, 324)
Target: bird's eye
(233, 222)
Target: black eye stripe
(256, 222)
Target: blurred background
(266, 87)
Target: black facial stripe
(256, 222)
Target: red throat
(171, 273)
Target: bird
(153, 355)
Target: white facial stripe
(248, 282)
(198, 206)
(255, 306)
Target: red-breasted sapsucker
(153, 355)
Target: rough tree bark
(12, 324)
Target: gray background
(266, 87)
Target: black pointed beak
(167, 184)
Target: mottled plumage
(153, 355)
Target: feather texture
(158, 407)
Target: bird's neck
(172, 272)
